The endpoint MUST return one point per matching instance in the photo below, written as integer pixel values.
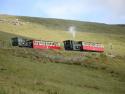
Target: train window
(93, 44)
(44, 42)
(50, 43)
(53, 44)
(36, 42)
(98, 45)
(86, 44)
(40, 43)
(83, 43)
(47, 43)
(67, 42)
(58, 44)
(77, 47)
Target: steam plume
(72, 31)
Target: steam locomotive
(36, 44)
(67, 45)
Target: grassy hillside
(24, 71)
(55, 29)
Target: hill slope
(24, 71)
(55, 29)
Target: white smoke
(72, 31)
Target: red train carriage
(83, 46)
(41, 44)
(90, 46)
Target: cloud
(115, 12)
(87, 10)
(73, 9)
(115, 8)
(109, 11)
(65, 8)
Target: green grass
(29, 71)
(22, 74)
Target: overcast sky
(104, 11)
